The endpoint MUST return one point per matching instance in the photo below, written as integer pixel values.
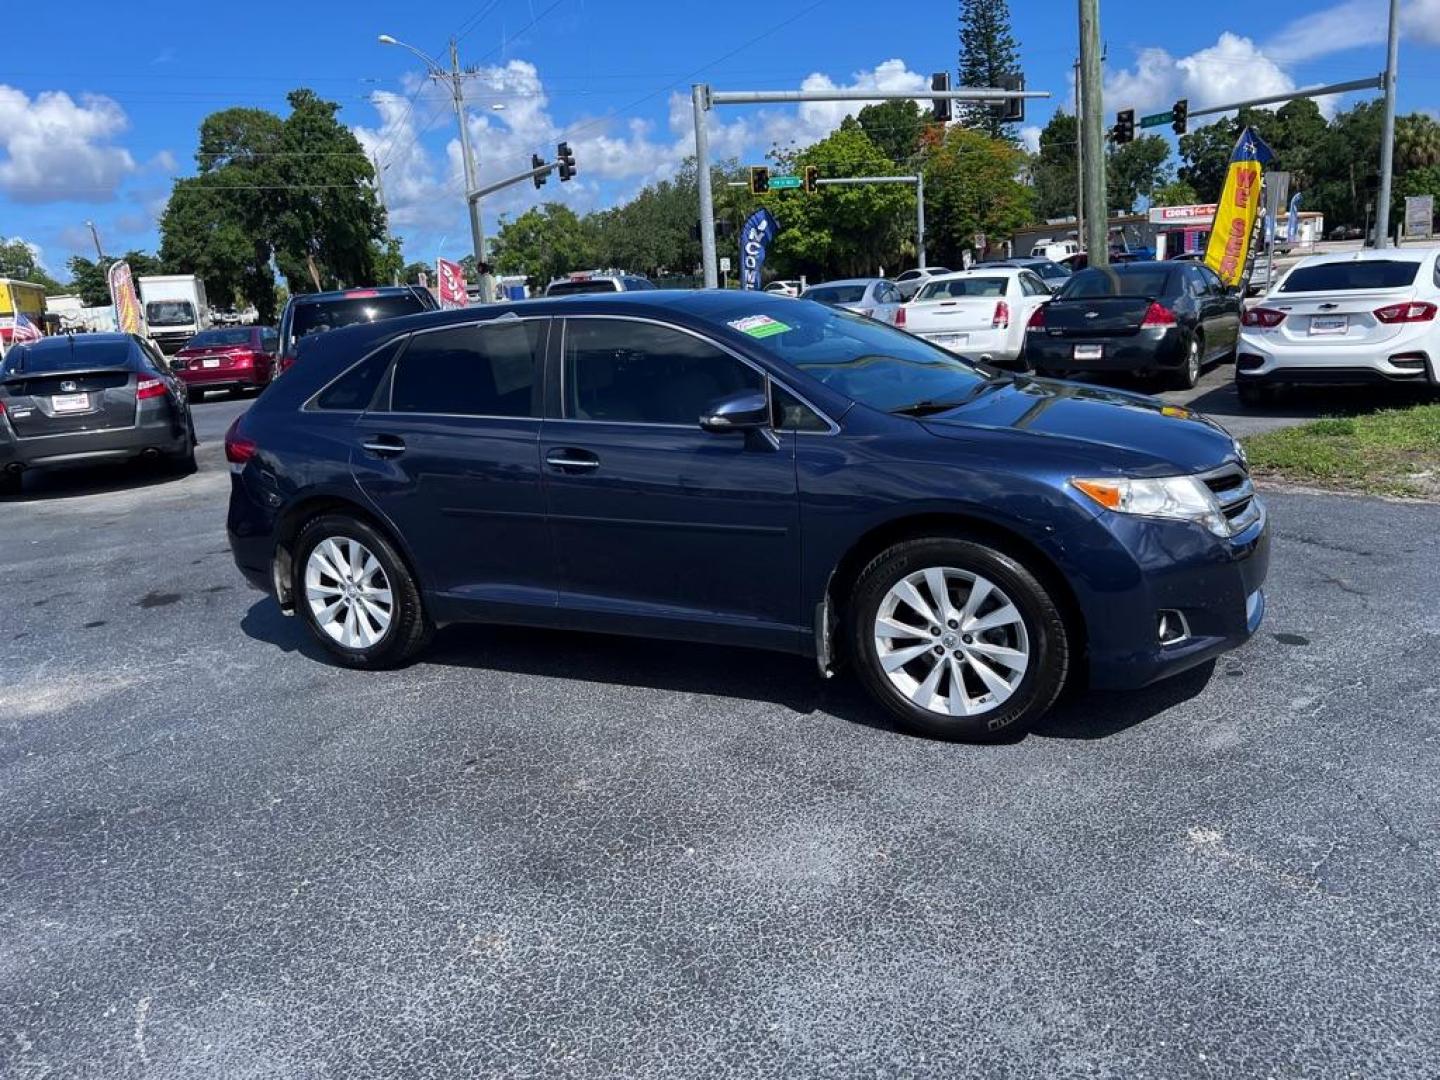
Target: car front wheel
(357, 595)
(957, 640)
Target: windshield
(333, 314)
(960, 288)
(169, 313)
(835, 294)
(1344, 276)
(209, 339)
(1117, 281)
(576, 288)
(1048, 270)
(860, 358)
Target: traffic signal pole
(1092, 137)
(703, 99)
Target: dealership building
(1178, 229)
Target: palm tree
(1417, 141)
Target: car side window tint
(624, 372)
(489, 369)
(269, 341)
(789, 413)
(1210, 281)
(354, 391)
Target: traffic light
(940, 82)
(1011, 110)
(1125, 126)
(759, 179)
(810, 179)
(537, 162)
(566, 158)
(1180, 115)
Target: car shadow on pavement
(718, 671)
(1310, 402)
(44, 485)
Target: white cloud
(1233, 69)
(1420, 21)
(1347, 25)
(425, 191)
(53, 148)
(1030, 138)
(36, 251)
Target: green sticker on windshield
(760, 326)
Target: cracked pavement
(547, 854)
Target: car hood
(1132, 431)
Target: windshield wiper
(938, 405)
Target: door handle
(571, 460)
(385, 445)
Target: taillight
(1037, 320)
(1410, 311)
(1263, 317)
(149, 388)
(1001, 318)
(238, 449)
(1157, 314)
(900, 315)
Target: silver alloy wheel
(348, 592)
(1192, 362)
(951, 641)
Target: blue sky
(97, 123)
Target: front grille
(1235, 494)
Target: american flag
(20, 330)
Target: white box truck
(175, 309)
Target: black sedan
(87, 398)
(1147, 318)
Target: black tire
(410, 628)
(1050, 646)
(1188, 373)
(183, 463)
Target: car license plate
(951, 341)
(70, 402)
(1089, 352)
(211, 361)
(1329, 324)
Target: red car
(227, 358)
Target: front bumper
(1142, 351)
(1126, 570)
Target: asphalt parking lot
(548, 854)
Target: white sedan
(979, 313)
(1357, 317)
(875, 298)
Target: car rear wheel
(957, 640)
(357, 595)
(1189, 373)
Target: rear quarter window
(355, 389)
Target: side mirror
(747, 410)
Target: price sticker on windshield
(759, 326)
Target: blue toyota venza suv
(744, 469)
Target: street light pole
(455, 78)
(95, 235)
(1387, 131)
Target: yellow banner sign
(122, 294)
(1238, 208)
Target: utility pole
(1079, 165)
(1092, 135)
(95, 235)
(380, 193)
(456, 80)
(1387, 131)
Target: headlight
(1179, 498)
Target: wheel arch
(947, 524)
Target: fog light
(1172, 627)
(1249, 362)
(1414, 361)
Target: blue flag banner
(755, 236)
(1292, 226)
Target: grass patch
(1392, 452)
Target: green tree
(1135, 169)
(1176, 193)
(972, 185)
(896, 127)
(1345, 168)
(410, 273)
(1417, 142)
(1205, 157)
(1053, 170)
(17, 262)
(841, 231)
(545, 243)
(89, 278)
(987, 53)
(389, 259)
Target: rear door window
(1349, 276)
(623, 372)
(485, 369)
